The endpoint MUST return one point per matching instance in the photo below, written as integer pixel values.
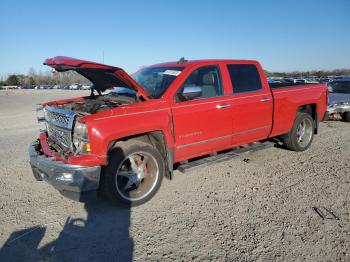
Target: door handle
(222, 106)
(265, 99)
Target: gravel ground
(257, 207)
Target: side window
(204, 82)
(244, 78)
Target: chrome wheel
(137, 176)
(304, 132)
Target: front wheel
(134, 173)
(302, 133)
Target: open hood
(102, 76)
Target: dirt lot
(258, 207)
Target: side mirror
(191, 92)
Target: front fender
(105, 130)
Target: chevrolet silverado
(131, 131)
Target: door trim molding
(223, 137)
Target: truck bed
(287, 100)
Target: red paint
(46, 150)
(196, 127)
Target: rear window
(244, 78)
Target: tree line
(44, 78)
(70, 77)
(317, 73)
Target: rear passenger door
(252, 103)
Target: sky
(284, 35)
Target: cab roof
(187, 63)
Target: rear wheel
(134, 173)
(346, 116)
(302, 133)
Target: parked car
(123, 145)
(27, 86)
(288, 80)
(300, 81)
(339, 98)
(75, 86)
(64, 86)
(324, 80)
(274, 81)
(11, 87)
(85, 87)
(311, 81)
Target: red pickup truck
(132, 130)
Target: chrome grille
(59, 125)
(63, 137)
(59, 117)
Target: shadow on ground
(103, 236)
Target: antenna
(103, 56)
(182, 60)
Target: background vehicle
(85, 87)
(75, 86)
(125, 142)
(300, 81)
(339, 98)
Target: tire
(346, 116)
(326, 117)
(297, 140)
(125, 181)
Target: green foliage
(31, 81)
(12, 80)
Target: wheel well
(310, 109)
(155, 138)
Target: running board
(220, 157)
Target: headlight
(80, 138)
(40, 113)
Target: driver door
(202, 123)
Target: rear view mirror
(191, 92)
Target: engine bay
(94, 104)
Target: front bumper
(76, 182)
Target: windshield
(156, 80)
(123, 91)
(339, 87)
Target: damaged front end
(59, 125)
(73, 181)
(52, 155)
(66, 133)
(62, 155)
(64, 124)
(93, 104)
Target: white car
(339, 98)
(74, 87)
(85, 87)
